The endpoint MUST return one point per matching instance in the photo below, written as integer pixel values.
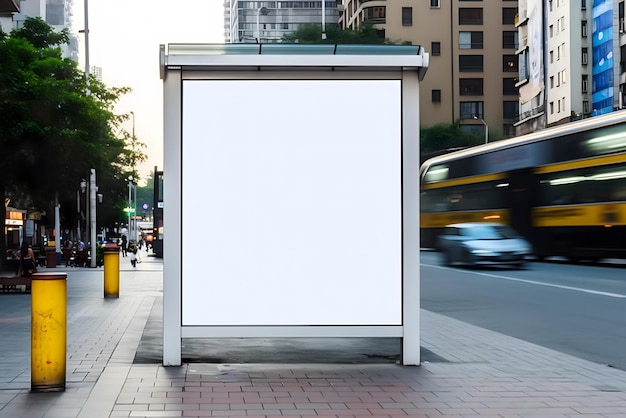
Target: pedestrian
(124, 246)
(27, 260)
(132, 254)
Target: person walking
(132, 254)
(124, 246)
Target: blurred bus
(563, 188)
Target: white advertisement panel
(291, 202)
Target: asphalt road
(575, 309)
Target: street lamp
(323, 19)
(83, 187)
(260, 11)
(486, 128)
(92, 214)
(86, 32)
(133, 114)
(130, 207)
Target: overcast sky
(124, 39)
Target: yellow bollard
(48, 331)
(111, 271)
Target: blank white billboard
(291, 202)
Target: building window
(471, 86)
(584, 56)
(583, 28)
(583, 4)
(586, 108)
(407, 16)
(434, 4)
(436, 96)
(470, 40)
(509, 40)
(551, 81)
(585, 83)
(470, 110)
(510, 109)
(470, 63)
(551, 30)
(551, 108)
(509, 63)
(508, 15)
(435, 48)
(508, 87)
(470, 16)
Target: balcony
(9, 6)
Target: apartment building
(473, 67)
(573, 64)
(268, 21)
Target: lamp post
(83, 187)
(92, 214)
(130, 200)
(260, 11)
(133, 114)
(323, 19)
(486, 128)
(86, 32)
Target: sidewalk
(113, 368)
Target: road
(574, 309)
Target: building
(57, 13)
(268, 21)
(574, 63)
(473, 67)
(7, 9)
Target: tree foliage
(443, 138)
(54, 127)
(312, 34)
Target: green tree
(54, 128)
(312, 34)
(443, 138)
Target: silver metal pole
(87, 44)
(130, 196)
(323, 19)
(78, 211)
(258, 25)
(92, 202)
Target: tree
(443, 138)
(53, 128)
(312, 34)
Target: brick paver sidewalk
(481, 373)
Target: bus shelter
(291, 192)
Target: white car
(483, 243)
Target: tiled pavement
(475, 373)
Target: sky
(124, 39)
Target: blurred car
(483, 243)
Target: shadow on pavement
(271, 350)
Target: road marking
(576, 289)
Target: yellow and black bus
(563, 188)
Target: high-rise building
(473, 68)
(57, 13)
(268, 21)
(573, 64)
